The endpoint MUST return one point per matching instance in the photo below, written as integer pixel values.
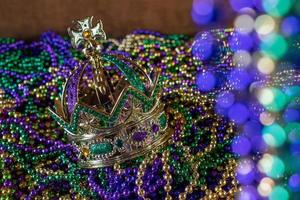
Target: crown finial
(84, 31)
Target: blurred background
(27, 19)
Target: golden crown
(110, 120)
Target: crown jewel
(110, 106)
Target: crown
(110, 107)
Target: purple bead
(139, 136)
(126, 193)
(155, 128)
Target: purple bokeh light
(245, 171)
(203, 46)
(258, 144)
(248, 192)
(294, 182)
(240, 41)
(203, 7)
(201, 19)
(202, 11)
(241, 145)
(290, 26)
(240, 79)
(252, 127)
(295, 149)
(239, 113)
(205, 81)
(238, 5)
(225, 99)
(291, 115)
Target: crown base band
(128, 156)
(106, 146)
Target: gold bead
(189, 189)
(139, 182)
(167, 177)
(152, 156)
(194, 182)
(142, 166)
(166, 153)
(234, 182)
(168, 188)
(203, 187)
(182, 196)
(166, 167)
(140, 173)
(141, 192)
(222, 193)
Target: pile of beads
(37, 162)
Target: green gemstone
(101, 148)
(163, 120)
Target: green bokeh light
(274, 135)
(272, 166)
(274, 46)
(277, 8)
(292, 92)
(279, 193)
(279, 101)
(293, 131)
(277, 169)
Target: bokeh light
(205, 81)
(238, 113)
(272, 98)
(279, 193)
(265, 65)
(240, 79)
(242, 58)
(240, 41)
(274, 45)
(290, 26)
(225, 99)
(293, 131)
(239, 5)
(291, 115)
(203, 7)
(265, 96)
(203, 46)
(264, 24)
(241, 146)
(248, 192)
(271, 165)
(266, 118)
(244, 23)
(246, 171)
(277, 8)
(292, 92)
(202, 11)
(294, 182)
(265, 186)
(274, 135)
